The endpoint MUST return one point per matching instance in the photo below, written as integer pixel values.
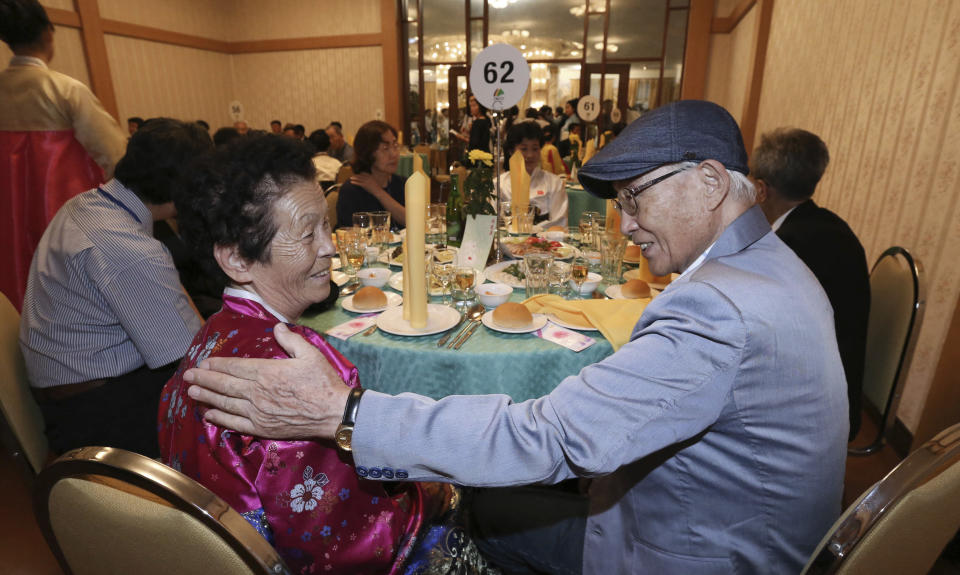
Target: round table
(522, 366)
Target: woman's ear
(232, 264)
(716, 182)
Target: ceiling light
(498, 3)
(612, 47)
(598, 46)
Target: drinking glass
(436, 224)
(506, 214)
(363, 221)
(343, 236)
(356, 251)
(463, 280)
(537, 271)
(381, 225)
(525, 221)
(442, 269)
(579, 270)
(612, 246)
(587, 222)
(560, 278)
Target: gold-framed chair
(21, 422)
(901, 524)
(896, 312)
(107, 511)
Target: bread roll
(635, 289)
(369, 298)
(512, 315)
(556, 229)
(633, 254)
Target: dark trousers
(530, 529)
(120, 413)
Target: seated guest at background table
(786, 167)
(203, 124)
(105, 317)
(241, 127)
(133, 124)
(326, 166)
(225, 135)
(547, 193)
(374, 186)
(550, 159)
(339, 148)
(259, 224)
(715, 439)
(276, 127)
(570, 118)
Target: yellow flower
(481, 156)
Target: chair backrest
(896, 311)
(345, 173)
(17, 406)
(105, 510)
(902, 523)
(332, 196)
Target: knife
(473, 328)
(447, 335)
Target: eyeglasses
(630, 207)
(387, 146)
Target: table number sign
(477, 239)
(499, 77)
(588, 108)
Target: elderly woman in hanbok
(257, 220)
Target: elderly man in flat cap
(715, 438)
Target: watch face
(344, 438)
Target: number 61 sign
(499, 77)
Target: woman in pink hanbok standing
(256, 218)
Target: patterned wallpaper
(266, 19)
(729, 68)
(67, 54)
(878, 81)
(310, 87)
(152, 79)
(206, 18)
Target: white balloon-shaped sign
(499, 77)
(588, 108)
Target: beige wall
(310, 87)
(878, 81)
(729, 67)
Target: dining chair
(21, 423)
(345, 173)
(333, 194)
(896, 312)
(901, 524)
(107, 511)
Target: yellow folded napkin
(614, 318)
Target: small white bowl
(554, 236)
(492, 295)
(376, 277)
(590, 285)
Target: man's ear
(716, 183)
(762, 192)
(232, 264)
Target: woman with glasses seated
(374, 185)
(258, 222)
(547, 193)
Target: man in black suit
(787, 166)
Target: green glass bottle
(454, 211)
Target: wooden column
(390, 45)
(697, 53)
(751, 107)
(95, 49)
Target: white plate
(393, 300)
(396, 282)
(440, 318)
(507, 245)
(384, 257)
(495, 273)
(395, 239)
(614, 292)
(539, 320)
(562, 323)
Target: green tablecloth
(405, 165)
(579, 201)
(522, 366)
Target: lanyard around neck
(116, 201)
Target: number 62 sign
(499, 77)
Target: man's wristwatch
(344, 435)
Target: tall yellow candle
(406, 281)
(417, 162)
(519, 185)
(415, 266)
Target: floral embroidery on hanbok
(305, 495)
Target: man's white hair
(741, 188)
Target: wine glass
(356, 251)
(588, 220)
(363, 222)
(442, 268)
(579, 270)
